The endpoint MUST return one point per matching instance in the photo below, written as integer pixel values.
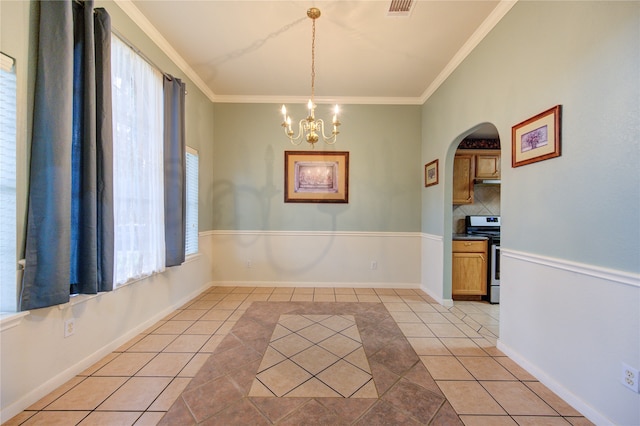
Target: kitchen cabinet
(469, 165)
(488, 165)
(463, 173)
(469, 269)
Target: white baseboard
(447, 303)
(585, 409)
(55, 382)
(545, 300)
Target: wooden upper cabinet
(469, 165)
(488, 165)
(463, 173)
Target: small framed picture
(431, 173)
(316, 177)
(537, 138)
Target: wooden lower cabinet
(469, 263)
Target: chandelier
(309, 128)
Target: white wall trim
(316, 258)
(619, 277)
(61, 378)
(145, 25)
(11, 319)
(433, 237)
(307, 284)
(547, 318)
(447, 303)
(431, 268)
(492, 20)
(577, 403)
(344, 100)
(310, 233)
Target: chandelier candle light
(309, 127)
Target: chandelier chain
(313, 59)
(310, 128)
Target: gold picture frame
(431, 173)
(316, 177)
(537, 138)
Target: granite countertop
(469, 237)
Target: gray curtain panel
(65, 249)
(174, 170)
(104, 154)
(47, 252)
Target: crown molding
(487, 25)
(342, 100)
(147, 27)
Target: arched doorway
(472, 191)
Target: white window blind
(191, 240)
(8, 257)
(137, 165)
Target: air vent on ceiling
(400, 7)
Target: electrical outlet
(374, 265)
(630, 377)
(69, 327)
(248, 264)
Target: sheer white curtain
(7, 184)
(137, 165)
(191, 244)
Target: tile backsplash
(486, 201)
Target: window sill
(77, 299)
(188, 259)
(192, 257)
(11, 319)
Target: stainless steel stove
(488, 226)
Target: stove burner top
(488, 226)
(484, 233)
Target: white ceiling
(260, 51)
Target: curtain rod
(139, 52)
(134, 48)
(128, 43)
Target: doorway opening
(475, 215)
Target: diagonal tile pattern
(309, 357)
(281, 369)
(429, 365)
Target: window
(191, 240)
(137, 165)
(7, 184)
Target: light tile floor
(142, 380)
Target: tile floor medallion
(293, 363)
(315, 356)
